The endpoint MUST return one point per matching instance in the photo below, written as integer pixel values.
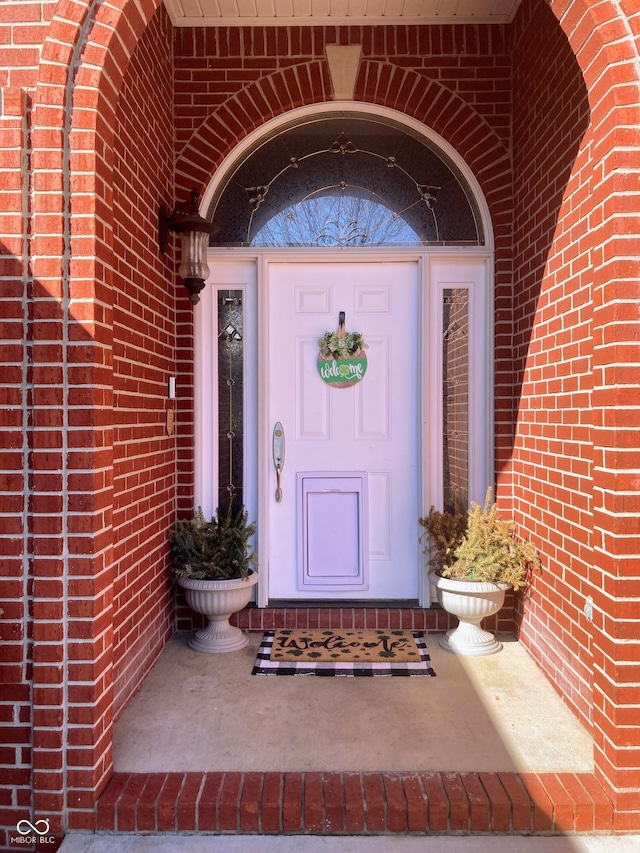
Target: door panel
(371, 427)
(335, 504)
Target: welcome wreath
(342, 361)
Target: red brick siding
(551, 462)
(185, 433)
(616, 406)
(16, 659)
(70, 546)
(229, 81)
(23, 30)
(71, 553)
(214, 65)
(580, 394)
(144, 356)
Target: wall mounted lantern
(194, 232)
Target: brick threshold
(351, 803)
(347, 616)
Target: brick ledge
(345, 616)
(350, 803)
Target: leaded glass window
(230, 400)
(455, 397)
(345, 181)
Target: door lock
(278, 456)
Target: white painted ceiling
(231, 13)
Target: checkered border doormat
(265, 666)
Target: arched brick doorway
(71, 559)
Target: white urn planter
(218, 600)
(471, 602)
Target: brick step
(428, 620)
(388, 618)
(333, 803)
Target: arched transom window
(345, 181)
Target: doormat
(366, 652)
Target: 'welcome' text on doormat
(352, 652)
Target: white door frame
(481, 384)
(430, 472)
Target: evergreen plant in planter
(211, 561)
(476, 561)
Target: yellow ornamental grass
(489, 551)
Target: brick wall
(576, 329)
(144, 356)
(608, 242)
(23, 30)
(552, 457)
(15, 634)
(213, 66)
(229, 81)
(61, 306)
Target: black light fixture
(194, 232)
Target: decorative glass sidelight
(345, 181)
(230, 400)
(455, 397)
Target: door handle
(278, 456)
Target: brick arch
(404, 90)
(604, 43)
(264, 99)
(428, 101)
(436, 106)
(456, 122)
(84, 60)
(96, 40)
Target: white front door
(346, 524)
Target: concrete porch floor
(206, 713)
(485, 747)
